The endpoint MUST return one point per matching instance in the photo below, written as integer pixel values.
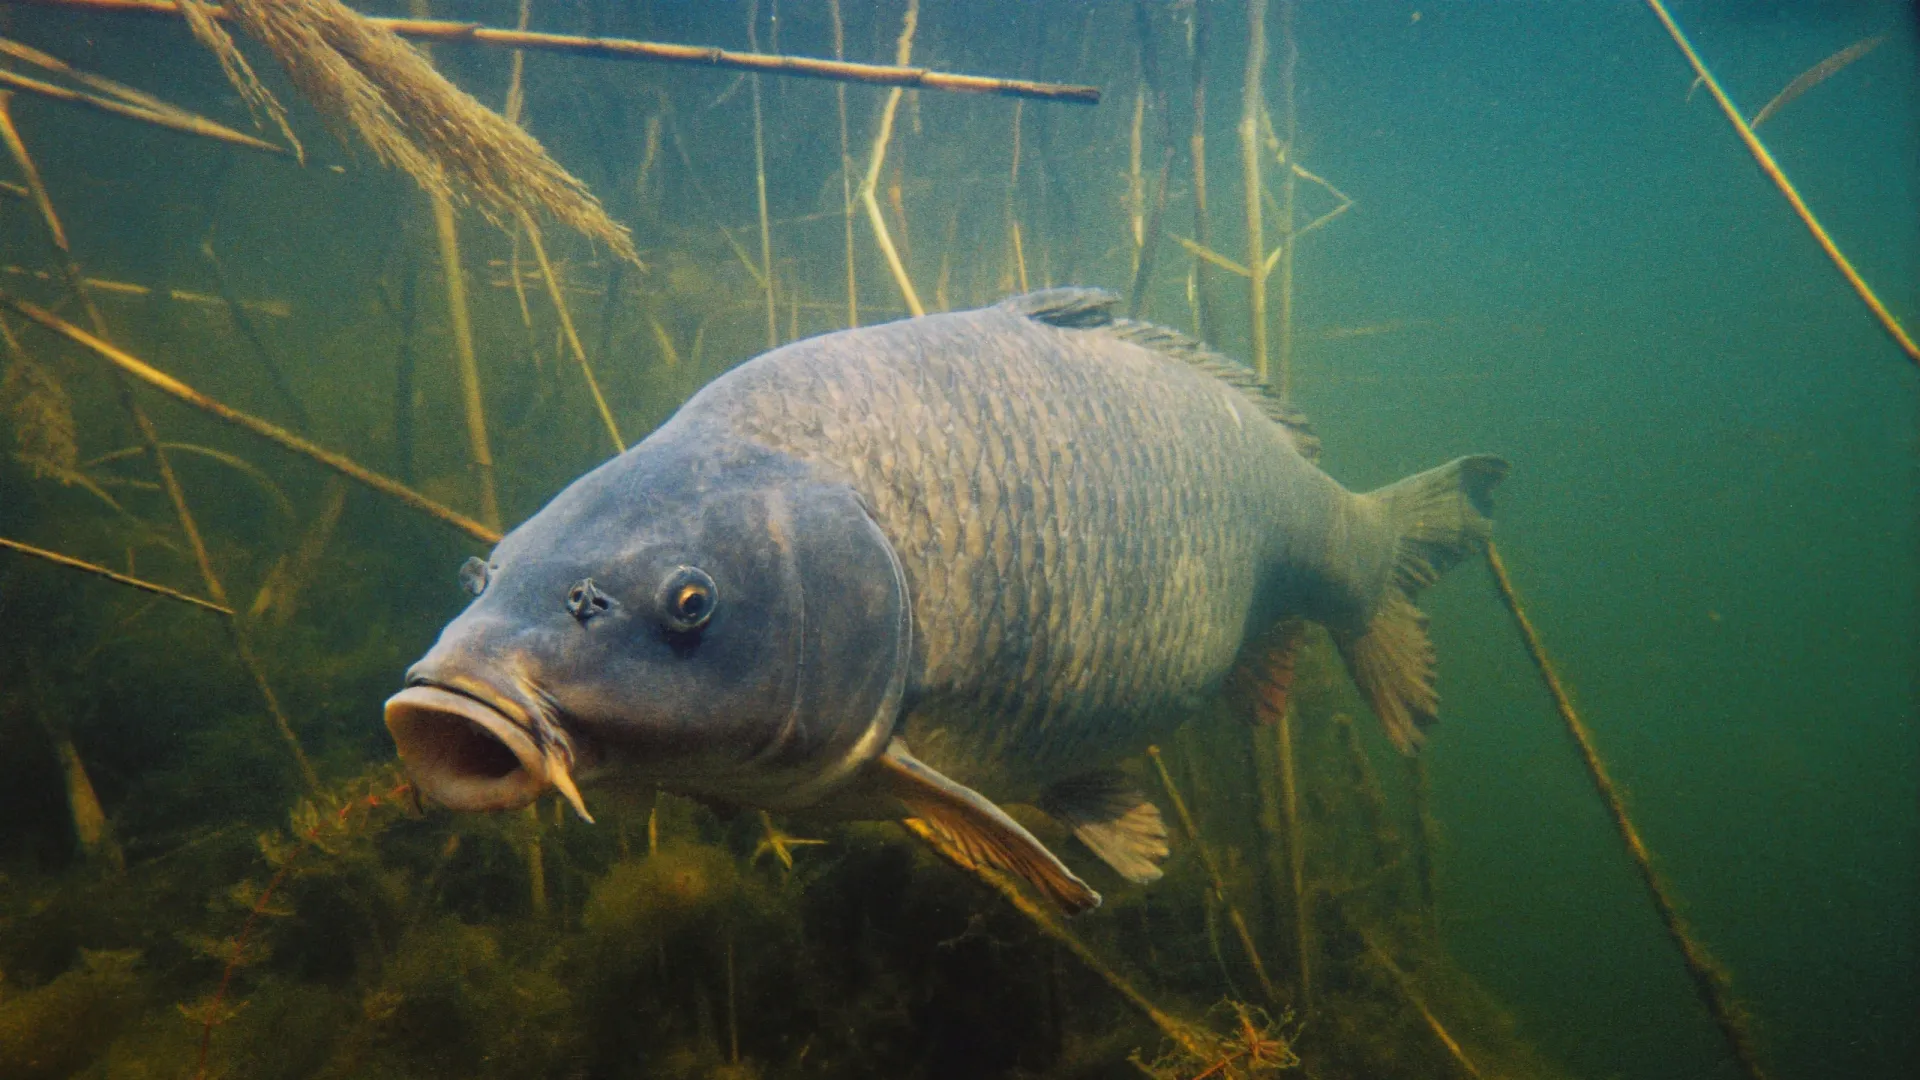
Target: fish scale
(1114, 488)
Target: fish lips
(467, 753)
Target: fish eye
(474, 575)
(687, 599)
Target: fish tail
(1438, 517)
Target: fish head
(732, 626)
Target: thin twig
(846, 167)
(112, 575)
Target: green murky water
(1546, 246)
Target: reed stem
(1768, 165)
(1214, 880)
(1183, 1034)
(1204, 323)
(1709, 979)
(846, 166)
(567, 330)
(1289, 182)
(478, 445)
(760, 182)
(870, 186)
(1250, 107)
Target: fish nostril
(585, 600)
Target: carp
(915, 570)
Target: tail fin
(1439, 517)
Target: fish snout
(468, 754)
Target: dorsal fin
(1078, 308)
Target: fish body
(943, 562)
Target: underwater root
(179, 391)
(1709, 979)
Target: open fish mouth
(469, 754)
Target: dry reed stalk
(661, 52)
(279, 309)
(112, 575)
(1207, 254)
(1136, 201)
(760, 181)
(1814, 76)
(1420, 794)
(1289, 59)
(566, 328)
(1184, 1035)
(182, 122)
(479, 447)
(129, 364)
(516, 75)
(150, 439)
(1709, 979)
(1771, 167)
(903, 50)
(1250, 107)
(1016, 248)
(1155, 219)
(1214, 880)
(1404, 983)
(1283, 737)
(846, 167)
(1203, 318)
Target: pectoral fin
(970, 831)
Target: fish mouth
(467, 753)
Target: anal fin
(1267, 669)
(1113, 819)
(969, 830)
(1392, 664)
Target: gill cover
(855, 629)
